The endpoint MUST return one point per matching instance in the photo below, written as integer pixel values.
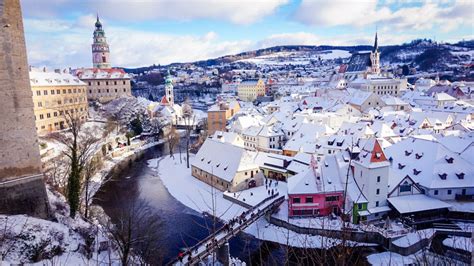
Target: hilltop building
(53, 94)
(168, 99)
(103, 82)
(361, 64)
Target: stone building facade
(53, 94)
(104, 85)
(21, 181)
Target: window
(69, 91)
(107, 83)
(124, 82)
(48, 115)
(55, 113)
(378, 191)
(90, 83)
(376, 204)
(378, 179)
(359, 206)
(436, 192)
(90, 91)
(58, 91)
(309, 200)
(40, 104)
(64, 91)
(45, 92)
(41, 116)
(59, 102)
(124, 90)
(38, 93)
(332, 198)
(405, 187)
(296, 200)
(75, 90)
(98, 83)
(115, 82)
(449, 191)
(52, 92)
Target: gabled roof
(223, 160)
(359, 62)
(372, 155)
(307, 182)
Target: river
(181, 226)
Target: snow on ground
(413, 237)
(199, 196)
(464, 243)
(461, 206)
(256, 195)
(334, 54)
(390, 259)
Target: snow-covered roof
(40, 78)
(224, 160)
(430, 164)
(308, 183)
(100, 73)
(416, 203)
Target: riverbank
(205, 199)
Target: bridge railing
(232, 231)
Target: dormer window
(416, 172)
(225, 168)
(449, 160)
(418, 156)
(408, 153)
(202, 159)
(218, 165)
(340, 143)
(443, 176)
(460, 175)
(331, 142)
(209, 162)
(401, 166)
(378, 155)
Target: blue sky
(144, 32)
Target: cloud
(296, 38)
(240, 12)
(70, 45)
(415, 16)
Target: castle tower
(168, 99)
(100, 48)
(21, 180)
(375, 57)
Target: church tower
(168, 99)
(100, 48)
(375, 57)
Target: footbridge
(217, 241)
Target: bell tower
(100, 48)
(169, 89)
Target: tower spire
(376, 44)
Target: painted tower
(168, 99)
(375, 57)
(100, 48)
(371, 170)
(21, 180)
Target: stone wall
(21, 182)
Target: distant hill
(424, 53)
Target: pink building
(314, 193)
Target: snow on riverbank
(464, 243)
(201, 197)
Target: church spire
(376, 44)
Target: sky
(145, 32)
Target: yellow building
(53, 94)
(249, 90)
(218, 114)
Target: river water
(181, 226)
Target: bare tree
(79, 146)
(90, 169)
(136, 234)
(173, 139)
(189, 121)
